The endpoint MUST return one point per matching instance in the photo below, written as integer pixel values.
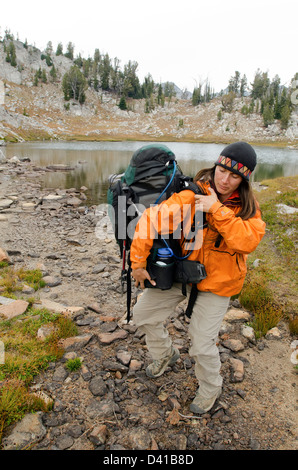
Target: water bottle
(162, 270)
(164, 256)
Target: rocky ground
(110, 404)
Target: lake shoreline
(73, 138)
(92, 162)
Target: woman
(234, 229)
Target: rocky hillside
(40, 112)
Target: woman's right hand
(140, 275)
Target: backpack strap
(189, 184)
(186, 182)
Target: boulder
(248, 333)
(28, 431)
(284, 209)
(237, 315)
(98, 435)
(56, 307)
(75, 342)
(234, 345)
(274, 333)
(5, 203)
(14, 309)
(108, 338)
(237, 370)
(4, 256)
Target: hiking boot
(201, 404)
(157, 367)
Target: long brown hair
(248, 202)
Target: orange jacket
(225, 262)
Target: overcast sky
(185, 41)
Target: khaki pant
(155, 306)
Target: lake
(95, 161)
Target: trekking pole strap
(192, 300)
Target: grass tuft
(74, 364)
(12, 280)
(16, 401)
(25, 355)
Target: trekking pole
(123, 272)
(126, 279)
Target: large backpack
(152, 176)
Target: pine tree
(70, 51)
(260, 85)
(159, 95)
(53, 73)
(96, 56)
(8, 36)
(59, 50)
(208, 92)
(104, 72)
(74, 85)
(234, 83)
(243, 85)
(95, 82)
(122, 104)
(44, 76)
(196, 96)
(147, 106)
(148, 87)
(116, 77)
(36, 78)
(268, 115)
(49, 48)
(131, 84)
(169, 90)
(11, 54)
(285, 116)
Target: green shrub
(74, 364)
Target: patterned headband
(234, 166)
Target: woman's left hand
(204, 203)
